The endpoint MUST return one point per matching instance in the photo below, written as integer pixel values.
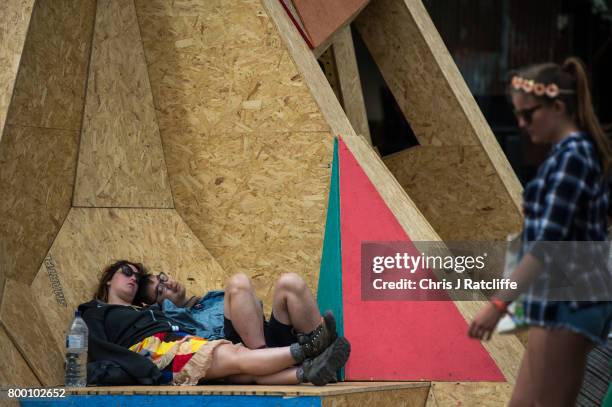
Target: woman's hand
(485, 322)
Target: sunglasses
(527, 114)
(161, 286)
(129, 272)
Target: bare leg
(243, 309)
(229, 360)
(522, 394)
(287, 376)
(294, 305)
(555, 364)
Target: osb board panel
(14, 21)
(408, 57)
(37, 168)
(220, 66)
(427, 84)
(14, 371)
(50, 87)
(260, 390)
(406, 212)
(415, 397)
(350, 83)
(322, 18)
(469, 394)
(457, 190)
(257, 202)
(121, 162)
(91, 239)
(27, 326)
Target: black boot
(320, 338)
(323, 368)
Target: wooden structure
(197, 137)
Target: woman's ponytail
(585, 114)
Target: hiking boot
(323, 368)
(320, 338)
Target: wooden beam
(334, 389)
(350, 83)
(429, 88)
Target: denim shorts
(593, 321)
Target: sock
(297, 352)
(299, 373)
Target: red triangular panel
(397, 340)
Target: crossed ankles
(321, 353)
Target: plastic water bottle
(76, 353)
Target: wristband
(502, 306)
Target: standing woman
(566, 201)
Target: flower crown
(539, 89)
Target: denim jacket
(205, 317)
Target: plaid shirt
(566, 201)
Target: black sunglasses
(128, 272)
(527, 114)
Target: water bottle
(76, 353)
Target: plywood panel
(428, 86)
(457, 190)
(413, 222)
(257, 202)
(14, 21)
(93, 238)
(26, 324)
(415, 397)
(121, 162)
(350, 82)
(50, 87)
(469, 394)
(219, 66)
(14, 371)
(322, 18)
(247, 148)
(37, 168)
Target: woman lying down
(152, 349)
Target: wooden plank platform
(372, 394)
(233, 390)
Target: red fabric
(397, 340)
(179, 361)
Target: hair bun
(572, 65)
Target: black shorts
(276, 333)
